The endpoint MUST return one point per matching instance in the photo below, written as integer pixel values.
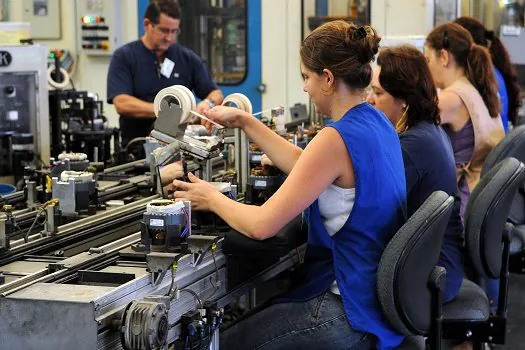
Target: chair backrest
(513, 145)
(407, 263)
(487, 212)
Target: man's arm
(132, 106)
(214, 98)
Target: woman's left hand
(199, 192)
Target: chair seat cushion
(413, 342)
(471, 303)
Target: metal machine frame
(33, 59)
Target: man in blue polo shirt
(140, 69)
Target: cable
(32, 225)
(201, 256)
(195, 295)
(188, 223)
(136, 139)
(40, 210)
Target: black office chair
(513, 145)
(409, 285)
(467, 317)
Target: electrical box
(44, 16)
(99, 25)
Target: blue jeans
(319, 323)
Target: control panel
(64, 56)
(99, 26)
(17, 101)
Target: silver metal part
(72, 189)
(170, 131)
(144, 326)
(3, 236)
(90, 311)
(51, 227)
(158, 264)
(32, 194)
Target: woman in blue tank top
(355, 162)
(402, 87)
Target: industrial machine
(78, 125)
(141, 275)
(115, 297)
(73, 189)
(24, 119)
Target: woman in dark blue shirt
(403, 89)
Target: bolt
(491, 324)
(490, 338)
(468, 333)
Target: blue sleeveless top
(351, 256)
(503, 99)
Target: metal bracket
(492, 330)
(158, 265)
(161, 299)
(4, 240)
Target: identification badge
(167, 67)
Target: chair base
(492, 330)
(517, 263)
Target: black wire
(40, 211)
(201, 256)
(195, 295)
(37, 156)
(32, 225)
(171, 284)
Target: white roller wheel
(72, 156)
(56, 84)
(164, 206)
(239, 100)
(83, 176)
(182, 94)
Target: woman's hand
(230, 117)
(200, 193)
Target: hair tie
(489, 35)
(360, 33)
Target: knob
(9, 90)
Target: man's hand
(204, 106)
(170, 172)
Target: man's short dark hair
(170, 8)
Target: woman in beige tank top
(468, 102)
